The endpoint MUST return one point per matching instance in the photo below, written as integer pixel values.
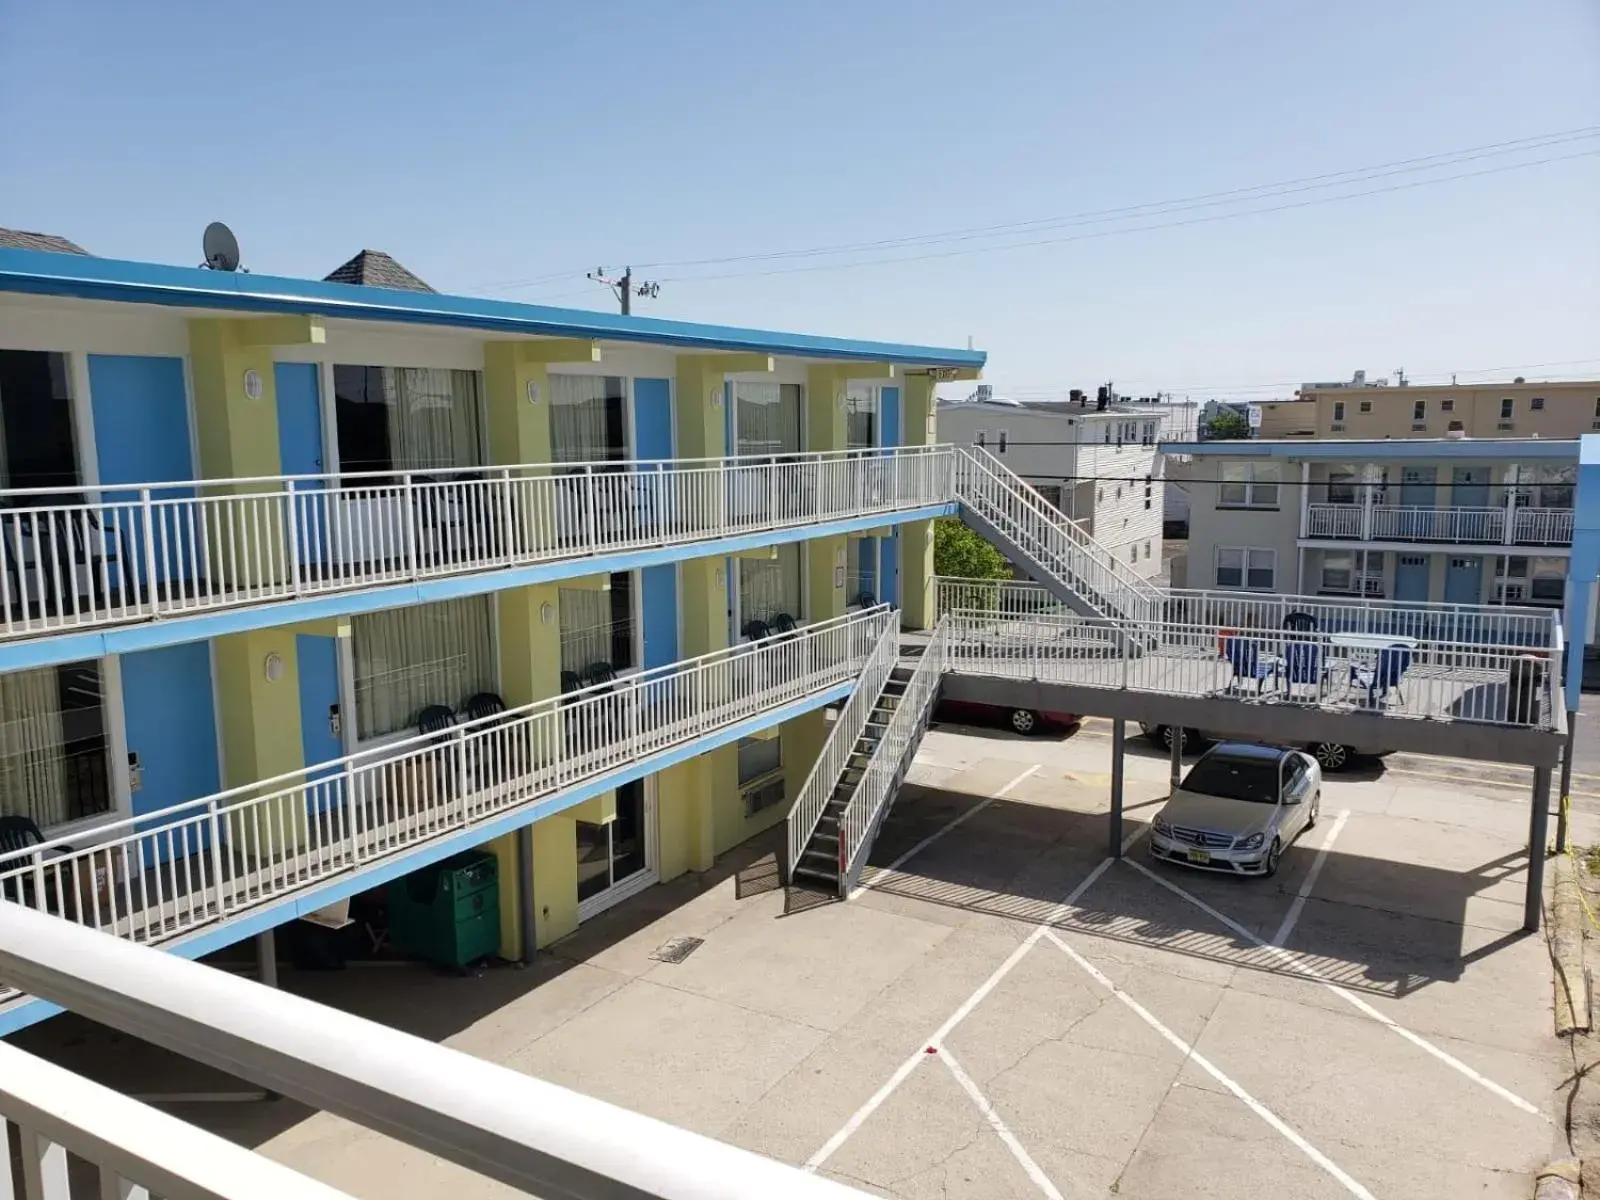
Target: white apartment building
(1099, 466)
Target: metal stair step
(829, 878)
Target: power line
(1146, 209)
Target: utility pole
(624, 288)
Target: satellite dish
(221, 247)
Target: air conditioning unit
(1504, 426)
(764, 796)
(1336, 427)
(1372, 585)
(1510, 591)
(1419, 427)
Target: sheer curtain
(580, 406)
(585, 628)
(434, 421)
(861, 418)
(33, 767)
(409, 658)
(767, 417)
(768, 587)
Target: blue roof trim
(38, 273)
(1409, 449)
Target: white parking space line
(1205, 1064)
(940, 832)
(903, 1071)
(1295, 909)
(1296, 964)
(1035, 1173)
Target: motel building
(429, 574)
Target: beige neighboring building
(1373, 411)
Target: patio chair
(1300, 622)
(865, 601)
(783, 623)
(1244, 656)
(1383, 676)
(1303, 664)
(18, 832)
(477, 708)
(438, 720)
(756, 630)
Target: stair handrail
(1107, 577)
(891, 758)
(847, 729)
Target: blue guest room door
(300, 449)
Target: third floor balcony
(1488, 526)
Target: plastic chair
(1244, 656)
(1302, 663)
(18, 833)
(485, 749)
(865, 601)
(571, 681)
(484, 704)
(1383, 676)
(756, 630)
(1300, 622)
(783, 623)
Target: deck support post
(1177, 754)
(267, 957)
(1119, 736)
(528, 935)
(1566, 781)
(1538, 829)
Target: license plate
(1199, 856)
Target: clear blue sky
(488, 143)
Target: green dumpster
(448, 913)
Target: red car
(1020, 720)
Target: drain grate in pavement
(678, 949)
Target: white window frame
(1247, 564)
(1508, 408)
(1252, 490)
(980, 439)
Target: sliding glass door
(617, 858)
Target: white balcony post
(291, 536)
(214, 825)
(507, 516)
(147, 518)
(1305, 498)
(352, 811)
(463, 772)
(408, 522)
(588, 508)
(1369, 485)
(1509, 537)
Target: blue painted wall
(652, 418)
(889, 585)
(658, 601)
(141, 435)
(172, 727)
(318, 658)
(300, 447)
(889, 402)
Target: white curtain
(861, 418)
(767, 417)
(768, 587)
(33, 768)
(409, 658)
(578, 417)
(585, 628)
(433, 418)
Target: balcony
(165, 874)
(138, 552)
(1461, 526)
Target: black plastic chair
(866, 600)
(18, 833)
(439, 719)
(477, 708)
(484, 704)
(756, 630)
(1300, 622)
(436, 718)
(600, 672)
(571, 681)
(783, 623)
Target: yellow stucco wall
(919, 419)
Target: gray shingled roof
(374, 268)
(22, 239)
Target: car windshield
(1253, 779)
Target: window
(1454, 425)
(1537, 404)
(53, 745)
(1149, 433)
(1546, 577)
(597, 626)
(1004, 438)
(1119, 493)
(1365, 406)
(1447, 406)
(37, 448)
(861, 418)
(982, 438)
(406, 419)
(1353, 572)
(407, 659)
(1597, 408)
(1108, 434)
(1544, 485)
(766, 418)
(1507, 406)
(1149, 489)
(1147, 549)
(1338, 410)
(1343, 482)
(1133, 552)
(1419, 410)
(759, 757)
(1247, 568)
(1249, 485)
(769, 586)
(588, 419)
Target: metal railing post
(215, 822)
(507, 515)
(589, 528)
(408, 524)
(148, 520)
(291, 536)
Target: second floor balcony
(1497, 526)
(120, 554)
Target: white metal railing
(992, 595)
(160, 874)
(1422, 523)
(842, 738)
(890, 759)
(100, 556)
(1019, 514)
(1384, 673)
(136, 1151)
(521, 1135)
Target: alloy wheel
(1332, 756)
(1023, 720)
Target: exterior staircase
(821, 863)
(1052, 549)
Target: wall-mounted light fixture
(253, 387)
(547, 613)
(273, 667)
(533, 391)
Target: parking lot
(1005, 1012)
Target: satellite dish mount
(220, 247)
